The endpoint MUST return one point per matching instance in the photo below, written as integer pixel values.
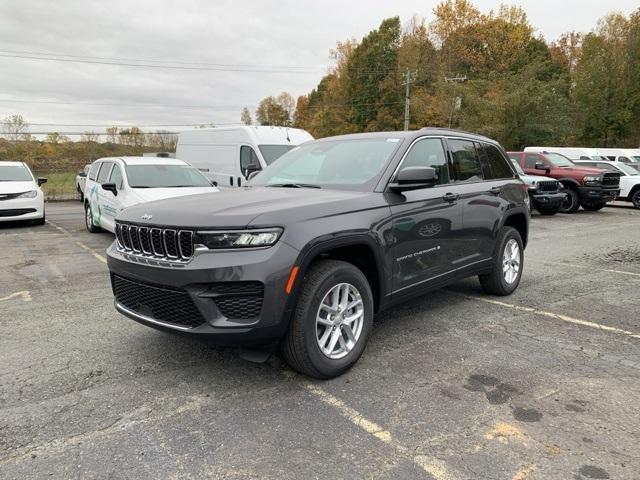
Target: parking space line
(434, 467)
(557, 316)
(26, 296)
(80, 244)
(621, 272)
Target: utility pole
(409, 78)
(455, 105)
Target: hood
(153, 194)
(531, 179)
(17, 187)
(256, 206)
(582, 170)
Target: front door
(425, 221)
(112, 204)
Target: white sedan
(116, 183)
(20, 195)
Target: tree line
(484, 72)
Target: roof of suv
(412, 134)
(10, 162)
(145, 160)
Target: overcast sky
(269, 46)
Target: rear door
(485, 183)
(424, 221)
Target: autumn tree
(271, 112)
(14, 127)
(245, 116)
(112, 134)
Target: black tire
(593, 207)
(572, 202)
(495, 282)
(88, 220)
(635, 199)
(548, 210)
(300, 347)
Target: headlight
(591, 180)
(240, 239)
(533, 186)
(31, 194)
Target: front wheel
(508, 261)
(571, 204)
(332, 320)
(548, 210)
(88, 219)
(593, 207)
(635, 199)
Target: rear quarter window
(494, 163)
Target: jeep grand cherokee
(332, 232)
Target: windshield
(354, 164)
(628, 169)
(165, 176)
(559, 160)
(270, 153)
(517, 166)
(636, 158)
(15, 173)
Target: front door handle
(495, 190)
(450, 197)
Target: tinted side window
(496, 163)
(93, 172)
(248, 158)
(429, 152)
(605, 166)
(103, 175)
(531, 160)
(466, 164)
(116, 177)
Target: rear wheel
(571, 203)
(332, 320)
(548, 210)
(507, 264)
(593, 207)
(635, 198)
(88, 219)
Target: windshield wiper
(293, 185)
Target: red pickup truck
(590, 187)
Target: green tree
(270, 112)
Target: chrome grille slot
(154, 242)
(126, 240)
(185, 243)
(170, 244)
(145, 240)
(135, 239)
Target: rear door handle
(450, 197)
(495, 190)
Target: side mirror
(42, 181)
(413, 178)
(110, 187)
(253, 168)
(542, 166)
(253, 174)
(214, 183)
(82, 173)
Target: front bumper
(598, 194)
(19, 209)
(228, 297)
(547, 199)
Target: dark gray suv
(332, 232)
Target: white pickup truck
(81, 179)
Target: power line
(164, 61)
(56, 102)
(165, 66)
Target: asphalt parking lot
(543, 384)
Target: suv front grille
(610, 179)
(548, 186)
(159, 243)
(168, 305)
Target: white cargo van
(227, 155)
(573, 153)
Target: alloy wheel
(511, 261)
(339, 321)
